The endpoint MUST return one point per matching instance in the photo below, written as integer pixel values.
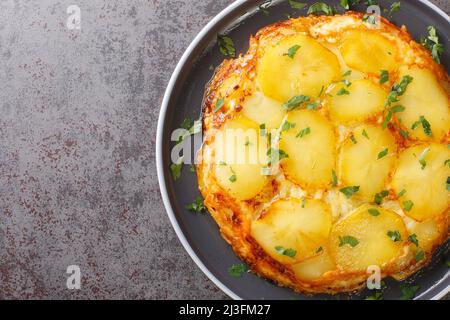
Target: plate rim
(160, 145)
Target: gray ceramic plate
(199, 233)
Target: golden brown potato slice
(367, 159)
(264, 110)
(240, 155)
(421, 176)
(311, 149)
(284, 73)
(315, 267)
(357, 102)
(293, 230)
(369, 236)
(368, 51)
(428, 233)
(425, 98)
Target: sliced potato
(296, 225)
(368, 162)
(240, 155)
(427, 232)
(306, 73)
(425, 97)
(364, 99)
(370, 243)
(311, 149)
(315, 267)
(264, 110)
(368, 51)
(422, 173)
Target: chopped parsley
(334, 178)
(303, 132)
(380, 196)
(352, 137)
(237, 270)
(384, 76)
(219, 104)
(347, 73)
(422, 160)
(186, 124)
(226, 46)
(296, 4)
(398, 90)
(431, 42)
(383, 154)
(374, 212)
(394, 235)
(349, 191)
(233, 177)
(404, 133)
(420, 255)
(413, 239)
(408, 205)
(319, 249)
(286, 252)
(447, 162)
(371, 2)
(194, 129)
(370, 18)
(192, 168)
(347, 3)
(346, 82)
(395, 7)
(448, 183)
(408, 291)
(312, 105)
(402, 193)
(287, 126)
(425, 125)
(292, 51)
(276, 155)
(176, 168)
(364, 133)
(197, 205)
(320, 7)
(390, 114)
(378, 295)
(262, 130)
(351, 241)
(295, 102)
(342, 92)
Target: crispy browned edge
(233, 224)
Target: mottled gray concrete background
(78, 115)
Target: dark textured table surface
(78, 180)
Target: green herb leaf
(186, 124)
(296, 4)
(276, 155)
(334, 177)
(398, 90)
(342, 92)
(347, 73)
(431, 42)
(391, 112)
(295, 102)
(292, 51)
(384, 76)
(413, 239)
(422, 160)
(262, 130)
(402, 193)
(370, 18)
(378, 295)
(226, 46)
(319, 249)
(408, 204)
(395, 7)
(371, 2)
(420, 255)
(320, 7)
(197, 205)
(394, 235)
(287, 126)
(447, 162)
(364, 133)
(312, 105)
(425, 125)
(286, 252)
(448, 183)
(237, 270)
(351, 241)
(303, 132)
(192, 168)
(404, 133)
(233, 178)
(352, 137)
(346, 82)
(176, 168)
(349, 191)
(408, 292)
(374, 212)
(380, 196)
(219, 104)
(383, 154)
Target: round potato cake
(326, 153)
